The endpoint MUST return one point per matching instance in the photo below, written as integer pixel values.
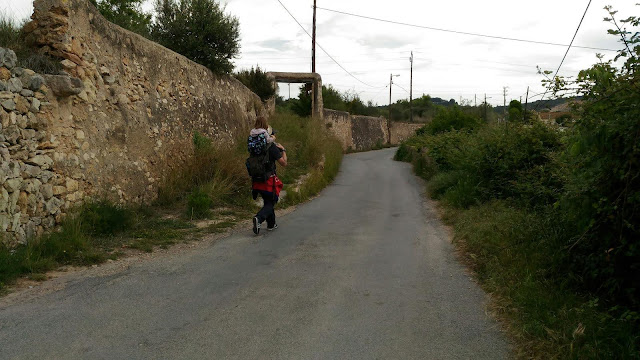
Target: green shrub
(199, 204)
(258, 82)
(448, 119)
(103, 218)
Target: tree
(515, 111)
(199, 30)
(257, 81)
(125, 13)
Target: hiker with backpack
(261, 165)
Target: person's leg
(267, 209)
(271, 218)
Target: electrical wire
(321, 48)
(460, 32)
(566, 52)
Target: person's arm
(283, 160)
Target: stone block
(4, 200)
(14, 85)
(72, 185)
(59, 190)
(8, 58)
(8, 104)
(35, 105)
(22, 105)
(26, 93)
(13, 185)
(62, 85)
(47, 191)
(5, 74)
(35, 83)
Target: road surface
(365, 271)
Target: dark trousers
(267, 212)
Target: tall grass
(29, 57)
(216, 176)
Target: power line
(460, 32)
(566, 52)
(325, 51)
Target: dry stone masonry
(31, 193)
(113, 124)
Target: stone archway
(317, 106)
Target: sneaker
(272, 228)
(256, 225)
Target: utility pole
(504, 107)
(389, 120)
(475, 100)
(411, 90)
(313, 40)
(485, 107)
(524, 114)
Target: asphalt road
(365, 271)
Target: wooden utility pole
(524, 114)
(485, 107)
(313, 40)
(389, 119)
(411, 90)
(504, 107)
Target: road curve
(365, 271)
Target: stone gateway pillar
(317, 106)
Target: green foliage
(103, 218)
(551, 224)
(199, 30)
(199, 204)
(515, 111)
(258, 82)
(125, 13)
(333, 99)
(602, 199)
(447, 119)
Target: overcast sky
(446, 65)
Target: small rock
(14, 85)
(62, 85)
(47, 191)
(72, 185)
(22, 105)
(35, 105)
(5, 74)
(3, 85)
(68, 64)
(26, 93)
(36, 82)
(8, 58)
(9, 105)
(17, 71)
(59, 190)
(13, 185)
(109, 79)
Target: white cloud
(446, 65)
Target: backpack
(258, 165)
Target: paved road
(365, 271)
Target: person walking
(265, 182)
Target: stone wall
(402, 131)
(362, 133)
(114, 126)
